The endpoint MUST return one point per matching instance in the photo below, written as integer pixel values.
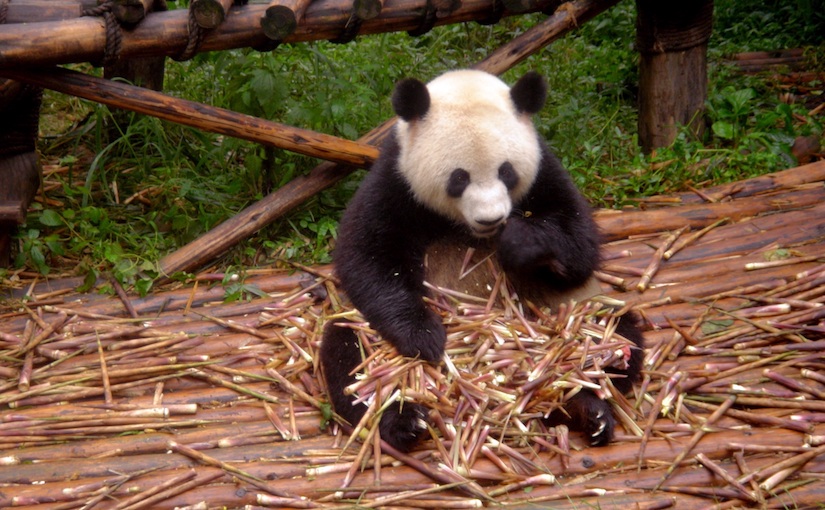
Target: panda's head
(468, 148)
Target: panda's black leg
(402, 426)
(588, 413)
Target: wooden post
(672, 39)
(19, 167)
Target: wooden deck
(181, 399)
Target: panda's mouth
(486, 231)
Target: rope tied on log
(665, 27)
(195, 38)
(114, 37)
(4, 11)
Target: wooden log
(617, 225)
(367, 9)
(208, 118)
(445, 7)
(282, 17)
(521, 5)
(20, 177)
(278, 203)
(295, 481)
(758, 61)
(166, 33)
(811, 172)
(131, 12)
(12, 212)
(672, 41)
(39, 11)
(210, 13)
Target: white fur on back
(472, 124)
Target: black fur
(550, 239)
(410, 99)
(529, 93)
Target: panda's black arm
(551, 234)
(379, 260)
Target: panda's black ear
(529, 93)
(411, 99)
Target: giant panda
(464, 167)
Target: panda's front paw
(403, 425)
(589, 414)
(520, 251)
(424, 339)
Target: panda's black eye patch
(507, 174)
(459, 180)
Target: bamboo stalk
(139, 497)
(713, 418)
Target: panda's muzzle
(487, 228)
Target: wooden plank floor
(190, 401)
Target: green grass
(134, 190)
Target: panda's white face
(473, 154)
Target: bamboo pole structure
(297, 191)
(166, 33)
(208, 118)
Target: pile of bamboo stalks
(181, 399)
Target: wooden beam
(39, 11)
(166, 33)
(207, 118)
(295, 192)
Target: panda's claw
(589, 414)
(403, 426)
(600, 430)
